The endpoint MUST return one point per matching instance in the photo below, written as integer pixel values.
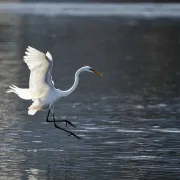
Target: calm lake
(129, 119)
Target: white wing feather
(40, 81)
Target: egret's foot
(66, 121)
(75, 136)
(70, 133)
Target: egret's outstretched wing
(40, 65)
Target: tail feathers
(32, 111)
(11, 89)
(22, 93)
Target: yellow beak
(98, 73)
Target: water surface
(129, 118)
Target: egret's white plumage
(41, 86)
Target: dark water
(129, 118)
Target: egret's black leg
(47, 119)
(70, 133)
(66, 121)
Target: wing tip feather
(49, 56)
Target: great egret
(41, 86)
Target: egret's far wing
(40, 65)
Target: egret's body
(41, 86)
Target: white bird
(41, 86)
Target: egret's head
(90, 69)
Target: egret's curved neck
(76, 81)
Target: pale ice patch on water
(36, 141)
(32, 150)
(146, 10)
(113, 122)
(129, 131)
(33, 171)
(138, 157)
(96, 128)
(111, 142)
(89, 124)
(139, 106)
(10, 149)
(161, 105)
(168, 130)
(150, 119)
(151, 106)
(7, 149)
(81, 130)
(51, 150)
(27, 131)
